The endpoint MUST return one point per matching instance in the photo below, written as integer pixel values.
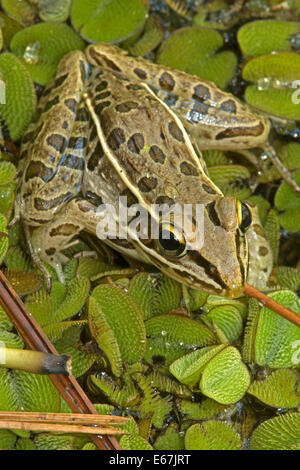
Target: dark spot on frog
(116, 138)
(170, 99)
(140, 73)
(188, 169)
(82, 115)
(126, 106)
(240, 132)
(44, 204)
(166, 81)
(57, 141)
(28, 137)
(134, 87)
(102, 95)
(101, 86)
(64, 230)
(147, 184)
(100, 106)
(157, 154)
(199, 110)
(72, 161)
(228, 106)
(84, 73)
(175, 131)
(263, 251)
(38, 169)
(136, 143)
(164, 200)
(77, 143)
(208, 189)
(60, 80)
(130, 197)
(94, 159)
(50, 251)
(201, 93)
(51, 103)
(72, 104)
(111, 64)
(65, 125)
(93, 198)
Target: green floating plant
(54, 10)
(62, 303)
(227, 322)
(7, 439)
(171, 336)
(265, 36)
(287, 201)
(166, 384)
(66, 337)
(154, 294)
(272, 232)
(8, 172)
(288, 277)
(277, 390)
(214, 301)
(271, 340)
(231, 179)
(199, 57)
(117, 325)
(212, 435)
(275, 90)
(24, 443)
(21, 11)
(20, 98)
(280, 433)
(126, 396)
(171, 439)
(23, 391)
(42, 46)
(17, 260)
(7, 198)
(207, 409)
(11, 340)
(134, 443)
(24, 282)
(9, 28)
(3, 237)
(108, 20)
(217, 371)
(214, 158)
(45, 441)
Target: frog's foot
(37, 260)
(286, 175)
(86, 254)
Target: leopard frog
(102, 132)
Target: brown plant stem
(36, 339)
(273, 305)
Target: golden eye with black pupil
(244, 215)
(171, 242)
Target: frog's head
(211, 256)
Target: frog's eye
(171, 241)
(244, 215)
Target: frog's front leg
(48, 241)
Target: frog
(110, 126)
